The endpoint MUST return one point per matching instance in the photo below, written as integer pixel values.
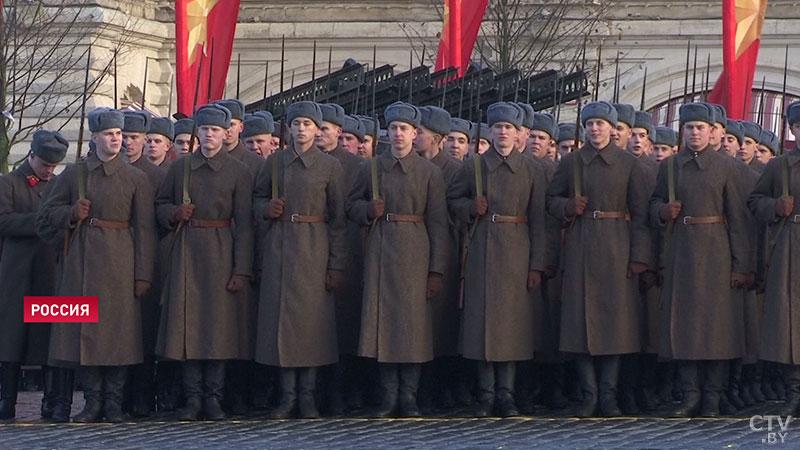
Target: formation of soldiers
(309, 265)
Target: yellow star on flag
(749, 21)
(197, 13)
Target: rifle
(238, 74)
(116, 102)
(478, 192)
(314, 73)
(210, 71)
(694, 75)
(708, 70)
(783, 100)
(283, 120)
(597, 73)
(144, 85)
(644, 89)
(762, 102)
(616, 80)
(80, 165)
(686, 74)
(266, 78)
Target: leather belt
(391, 217)
(497, 218)
(196, 223)
(705, 220)
(795, 218)
(94, 222)
(597, 215)
(297, 218)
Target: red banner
(204, 31)
(462, 21)
(60, 309)
(742, 21)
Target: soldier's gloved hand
(740, 280)
(784, 206)
(80, 210)
(575, 206)
(333, 280)
(750, 282)
(275, 208)
(479, 206)
(182, 212)
(647, 280)
(376, 208)
(534, 279)
(236, 283)
(140, 287)
(670, 211)
(434, 285)
(549, 272)
(635, 268)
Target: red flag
(204, 29)
(742, 21)
(462, 21)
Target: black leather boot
(113, 388)
(555, 376)
(49, 392)
(63, 382)
(588, 384)
(628, 379)
(689, 384)
(767, 381)
(734, 384)
(237, 382)
(214, 380)
(409, 384)
(667, 376)
(336, 404)
(389, 386)
(755, 384)
(166, 376)
(142, 392)
(645, 391)
(307, 384)
(485, 371)
(193, 390)
(288, 400)
(9, 386)
(607, 387)
(92, 383)
(712, 385)
(504, 377)
(792, 381)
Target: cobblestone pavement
(28, 431)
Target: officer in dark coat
(702, 320)
(27, 267)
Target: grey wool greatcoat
(497, 322)
(27, 267)
(396, 317)
(446, 316)
(296, 314)
(102, 262)
(701, 318)
(348, 298)
(601, 311)
(780, 341)
(200, 318)
(151, 310)
(753, 302)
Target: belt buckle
(686, 220)
(796, 218)
(597, 214)
(389, 217)
(293, 218)
(93, 222)
(494, 218)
